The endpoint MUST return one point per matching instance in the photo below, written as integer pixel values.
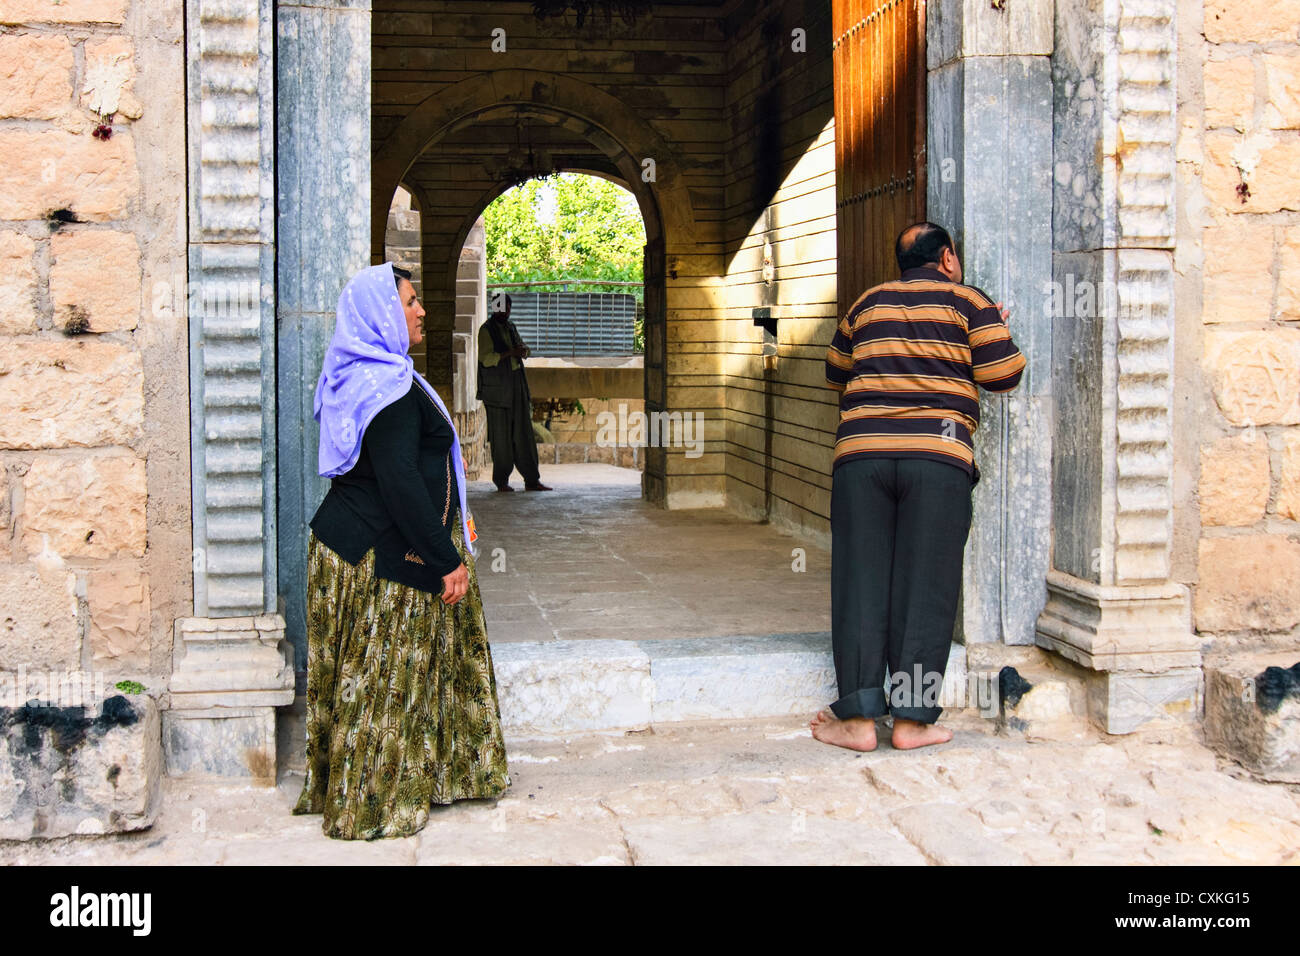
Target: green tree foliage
(568, 226)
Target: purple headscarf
(366, 370)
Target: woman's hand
(455, 585)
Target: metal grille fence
(573, 323)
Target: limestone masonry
(184, 188)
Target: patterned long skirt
(402, 708)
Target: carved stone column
(1111, 605)
(230, 675)
(323, 164)
(229, 661)
(988, 179)
(231, 304)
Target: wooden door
(879, 63)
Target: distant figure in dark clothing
(503, 389)
(906, 359)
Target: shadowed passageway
(592, 560)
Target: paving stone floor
(763, 791)
(592, 560)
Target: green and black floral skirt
(402, 708)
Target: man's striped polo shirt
(907, 358)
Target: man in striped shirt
(907, 360)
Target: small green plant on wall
(545, 409)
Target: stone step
(563, 687)
(558, 688)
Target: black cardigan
(399, 498)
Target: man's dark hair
(398, 275)
(921, 244)
(508, 303)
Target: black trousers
(898, 533)
(510, 433)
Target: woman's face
(414, 312)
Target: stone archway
(455, 263)
(641, 157)
(598, 116)
(281, 210)
(492, 195)
(325, 191)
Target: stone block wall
(576, 436)
(1239, 252)
(94, 453)
(471, 310)
(402, 238)
(472, 428)
(779, 253)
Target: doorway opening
(579, 252)
(567, 250)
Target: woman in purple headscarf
(402, 708)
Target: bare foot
(908, 734)
(854, 733)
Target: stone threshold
(552, 688)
